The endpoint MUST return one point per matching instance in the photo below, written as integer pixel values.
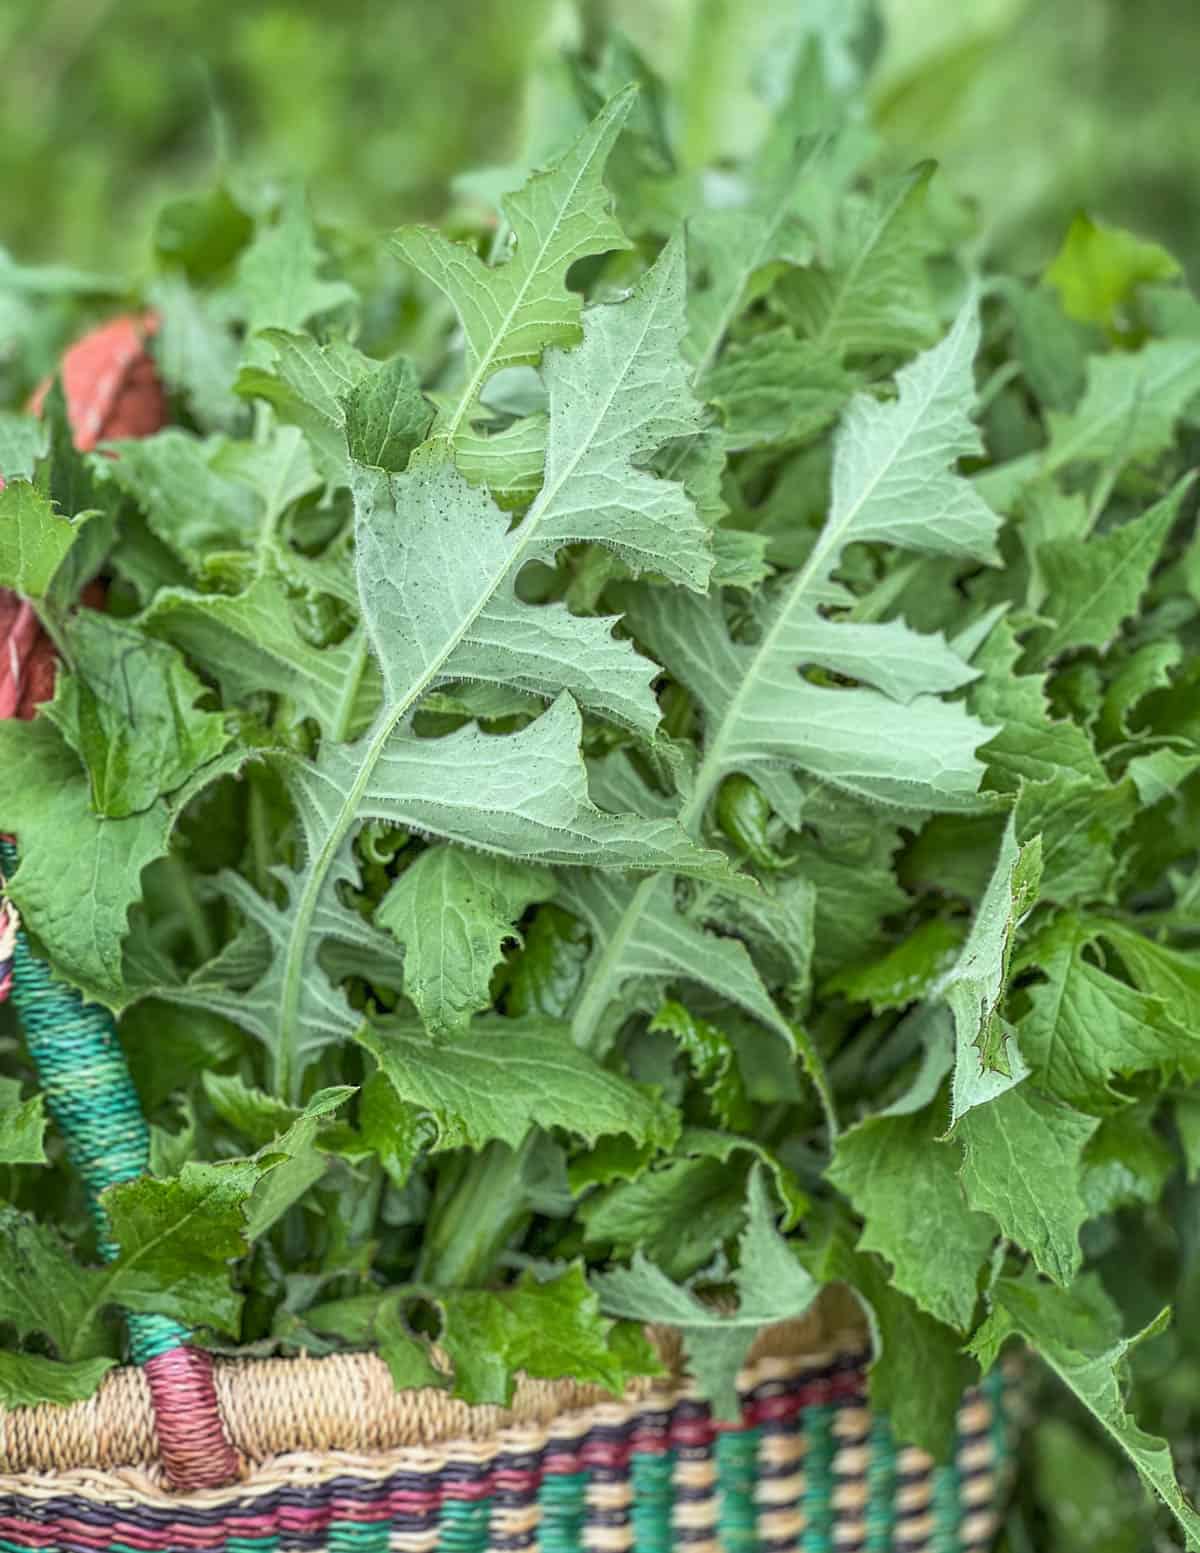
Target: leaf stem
(479, 1205)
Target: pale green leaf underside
(987, 1061)
(512, 311)
(436, 568)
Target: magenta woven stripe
(191, 1439)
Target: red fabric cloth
(112, 386)
(112, 390)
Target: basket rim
(346, 1404)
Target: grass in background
(1035, 107)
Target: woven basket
(333, 1458)
(237, 1456)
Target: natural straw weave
(335, 1459)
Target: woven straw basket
(181, 1451)
(331, 1457)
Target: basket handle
(90, 1095)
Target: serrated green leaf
(22, 1126)
(1092, 587)
(1084, 1028)
(637, 936)
(297, 1161)
(870, 291)
(128, 710)
(772, 1286)
(278, 282)
(29, 1380)
(1127, 415)
(1023, 1165)
(279, 468)
(453, 912)
(506, 1076)
(1172, 975)
(191, 504)
(776, 391)
(308, 386)
(1030, 744)
(34, 539)
(712, 1059)
(1077, 1333)
(177, 1238)
(758, 710)
(251, 641)
(69, 854)
(1079, 824)
(386, 415)
(512, 312)
(903, 1180)
(550, 1329)
(987, 1060)
(677, 1211)
(43, 1289)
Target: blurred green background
(1034, 107)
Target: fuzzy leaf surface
(509, 1075)
(511, 312)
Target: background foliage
(1034, 107)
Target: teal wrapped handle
(90, 1096)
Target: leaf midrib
(484, 367)
(600, 984)
(288, 1072)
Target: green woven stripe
(881, 1487)
(653, 1501)
(251, 1544)
(817, 1501)
(562, 1502)
(464, 1527)
(737, 1466)
(947, 1511)
(83, 1074)
(995, 1387)
(151, 1335)
(358, 1537)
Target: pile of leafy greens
(641, 761)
